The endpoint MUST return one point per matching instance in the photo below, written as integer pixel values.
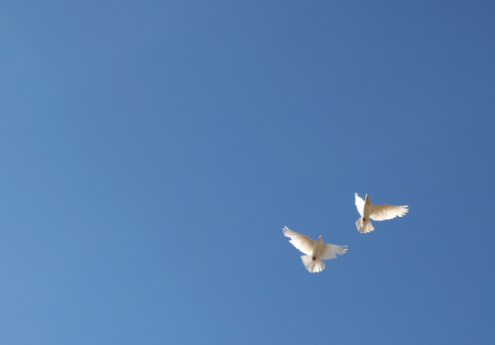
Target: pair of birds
(317, 251)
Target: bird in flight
(368, 210)
(316, 251)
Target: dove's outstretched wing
(301, 242)
(384, 212)
(330, 251)
(359, 203)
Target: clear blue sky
(151, 153)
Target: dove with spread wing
(316, 251)
(368, 210)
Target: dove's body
(369, 211)
(316, 251)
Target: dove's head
(367, 197)
(319, 240)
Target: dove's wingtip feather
(403, 210)
(289, 233)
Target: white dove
(316, 251)
(368, 210)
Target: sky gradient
(151, 153)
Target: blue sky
(151, 153)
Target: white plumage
(316, 251)
(368, 210)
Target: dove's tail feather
(365, 226)
(313, 266)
